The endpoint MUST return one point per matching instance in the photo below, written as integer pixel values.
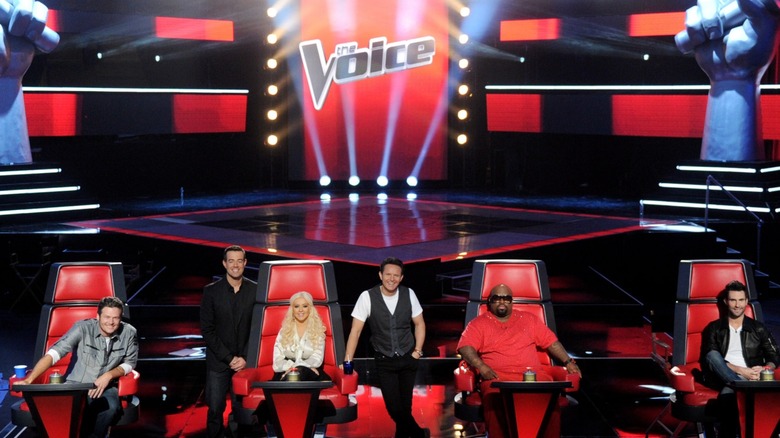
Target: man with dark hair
(104, 349)
(501, 344)
(735, 347)
(225, 321)
(391, 310)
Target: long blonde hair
(315, 329)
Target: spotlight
(272, 12)
(272, 63)
(157, 58)
(382, 181)
(354, 180)
(463, 63)
(521, 59)
(354, 197)
(272, 38)
(272, 115)
(463, 114)
(325, 197)
(272, 140)
(382, 196)
(646, 57)
(462, 139)
(412, 181)
(99, 55)
(463, 89)
(272, 90)
(463, 38)
(465, 12)
(411, 196)
(325, 181)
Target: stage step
(40, 191)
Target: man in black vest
(391, 310)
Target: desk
(764, 395)
(56, 408)
(532, 405)
(292, 406)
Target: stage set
(574, 139)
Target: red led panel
(52, 115)
(530, 30)
(198, 113)
(658, 116)
(193, 29)
(52, 20)
(514, 112)
(665, 23)
(770, 109)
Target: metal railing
(759, 222)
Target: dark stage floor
(602, 308)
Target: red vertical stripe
(530, 30)
(53, 20)
(514, 112)
(193, 29)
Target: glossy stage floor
(171, 248)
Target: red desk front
(759, 407)
(532, 407)
(56, 408)
(292, 406)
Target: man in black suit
(225, 321)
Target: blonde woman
(300, 343)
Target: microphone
(45, 42)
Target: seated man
(734, 347)
(104, 349)
(502, 344)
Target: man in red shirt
(502, 344)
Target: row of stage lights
(273, 112)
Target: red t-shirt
(508, 347)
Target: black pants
(396, 380)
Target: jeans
(396, 380)
(727, 399)
(218, 384)
(100, 413)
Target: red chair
(531, 293)
(698, 285)
(72, 294)
(278, 281)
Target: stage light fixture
(325, 197)
(411, 196)
(646, 57)
(354, 197)
(411, 181)
(272, 38)
(522, 60)
(465, 12)
(463, 114)
(99, 55)
(272, 90)
(272, 140)
(463, 64)
(272, 115)
(325, 181)
(382, 181)
(354, 180)
(382, 196)
(272, 12)
(272, 63)
(463, 89)
(157, 58)
(462, 139)
(463, 38)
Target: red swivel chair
(72, 294)
(278, 281)
(531, 293)
(698, 285)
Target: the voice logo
(349, 63)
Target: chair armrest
(346, 383)
(242, 380)
(465, 377)
(681, 378)
(560, 374)
(128, 384)
(43, 378)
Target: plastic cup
(20, 371)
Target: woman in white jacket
(300, 344)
